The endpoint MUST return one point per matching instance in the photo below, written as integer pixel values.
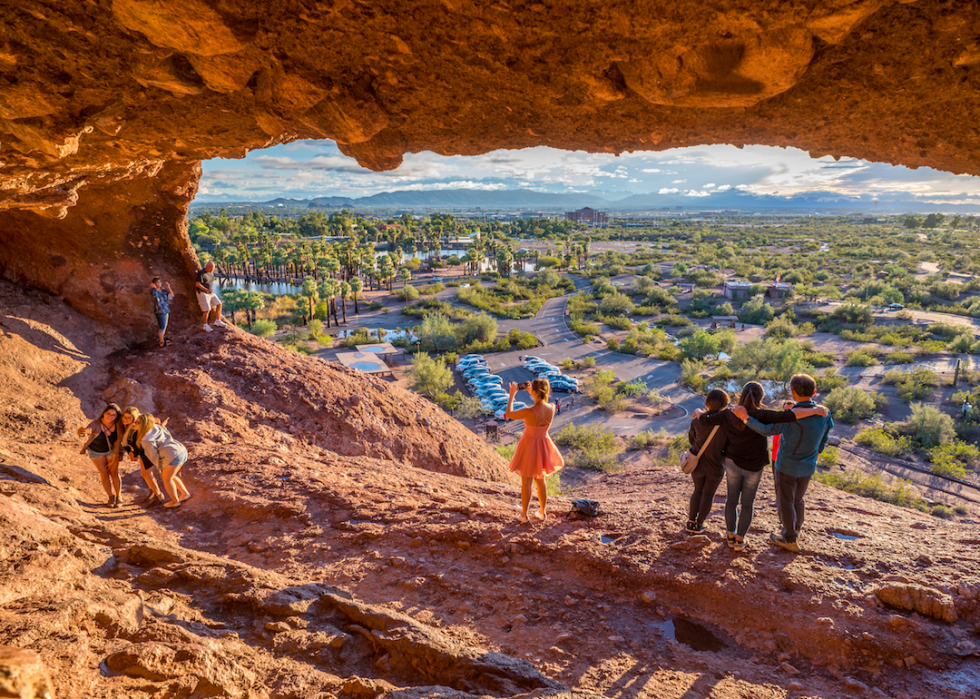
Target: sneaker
(220, 323)
(731, 539)
(782, 543)
(738, 546)
(207, 328)
(693, 528)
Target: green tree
(934, 220)
(756, 311)
(700, 345)
(930, 425)
(429, 376)
(437, 332)
(309, 291)
(232, 301)
(480, 328)
(254, 301)
(616, 304)
(356, 287)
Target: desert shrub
(616, 304)
(961, 510)
(567, 363)
(912, 385)
(633, 389)
(961, 344)
(953, 459)
(430, 289)
(691, 376)
(781, 327)
(669, 353)
(899, 358)
(588, 362)
(818, 360)
(612, 344)
(930, 426)
(655, 398)
(829, 380)
(849, 405)
(375, 306)
(828, 458)
(885, 442)
(615, 322)
(584, 328)
(873, 486)
(265, 328)
(644, 439)
(942, 512)
(592, 446)
(756, 311)
(860, 358)
(407, 293)
(507, 450)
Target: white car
(533, 360)
(517, 406)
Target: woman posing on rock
(746, 454)
(709, 444)
(166, 453)
(536, 455)
(131, 446)
(102, 446)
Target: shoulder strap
(708, 440)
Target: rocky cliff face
(333, 551)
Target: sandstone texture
(331, 551)
(107, 107)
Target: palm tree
(345, 291)
(328, 292)
(309, 290)
(254, 300)
(232, 301)
(356, 286)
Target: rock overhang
(99, 94)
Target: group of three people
(145, 440)
(732, 444)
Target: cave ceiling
(99, 91)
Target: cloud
(672, 190)
(696, 193)
(724, 188)
(651, 170)
(678, 181)
(710, 185)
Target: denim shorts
(162, 319)
(98, 455)
(178, 459)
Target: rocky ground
(345, 538)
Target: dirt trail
(331, 549)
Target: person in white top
(166, 453)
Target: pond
(381, 334)
(276, 289)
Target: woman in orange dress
(536, 455)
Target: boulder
(916, 598)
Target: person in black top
(746, 454)
(710, 469)
(132, 447)
(102, 447)
(204, 283)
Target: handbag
(689, 460)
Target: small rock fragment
(416, 542)
(788, 669)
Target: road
(921, 317)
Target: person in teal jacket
(800, 444)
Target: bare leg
(217, 312)
(113, 468)
(169, 486)
(150, 481)
(542, 497)
(102, 465)
(204, 317)
(180, 488)
(525, 497)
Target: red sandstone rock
(23, 675)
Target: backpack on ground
(584, 508)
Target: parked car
(560, 386)
(895, 307)
(544, 369)
(530, 360)
(468, 376)
(517, 406)
(463, 366)
(487, 391)
(486, 379)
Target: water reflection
(276, 289)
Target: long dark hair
(752, 396)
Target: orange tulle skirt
(536, 455)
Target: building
(588, 216)
(737, 290)
(780, 291)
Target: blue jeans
(742, 487)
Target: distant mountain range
(526, 199)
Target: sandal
(171, 506)
(739, 545)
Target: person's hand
(822, 410)
(512, 388)
(84, 431)
(741, 413)
(167, 284)
(698, 412)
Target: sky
(307, 169)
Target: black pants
(789, 501)
(703, 495)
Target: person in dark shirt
(204, 283)
(162, 296)
(710, 469)
(746, 454)
(102, 447)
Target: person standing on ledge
(162, 296)
(799, 445)
(536, 456)
(204, 283)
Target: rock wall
(102, 255)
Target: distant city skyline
(308, 169)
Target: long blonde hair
(134, 425)
(146, 423)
